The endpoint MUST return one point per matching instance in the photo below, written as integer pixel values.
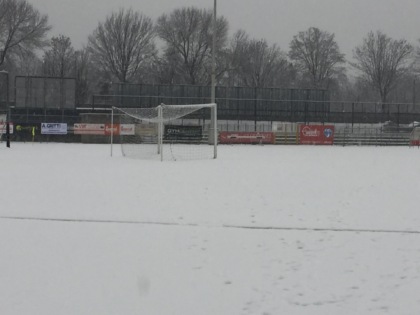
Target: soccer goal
(166, 132)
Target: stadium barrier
(355, 124)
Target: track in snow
(247, 227)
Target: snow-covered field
(261, 230)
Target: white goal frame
(163, 117)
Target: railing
(303, 111)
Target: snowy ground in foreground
(187, 252)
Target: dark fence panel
(45, 92)
(234, 103)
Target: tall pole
(213, 58)
(9, 114)
(213, 129)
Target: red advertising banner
(247, 137)
(316, 134)
(112, 129)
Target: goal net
(166, 132)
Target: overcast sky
(275, 20)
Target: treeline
(123, 48)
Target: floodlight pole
(213, 58)
(212, 132)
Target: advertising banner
(316, 134)
(285, 127)
(112, 129)
(148, 133)
(174, 132)
(53, 129)
(247, 137)
(415, 137)
(3, 128)
(120, 129)
(127, 129)
(89, 129)
(104, 129)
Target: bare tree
(22, 28)
(254, 63)
(188, 34)
(382, 61)
(167, 68)
(59, 60)
(235, 57)
(123, 44)
(25, 63)
(83, 71)
(317, 55)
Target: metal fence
(304, 111)
(351, 128)
(195, 93)
(250, 110)
(45, 92)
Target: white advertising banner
(53, 129)
(127, 129)
(89, 129)
(3, 128)
(285, 127)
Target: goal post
(166, 132)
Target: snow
(260, 230)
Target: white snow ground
(261, 230)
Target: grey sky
(275, 20)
